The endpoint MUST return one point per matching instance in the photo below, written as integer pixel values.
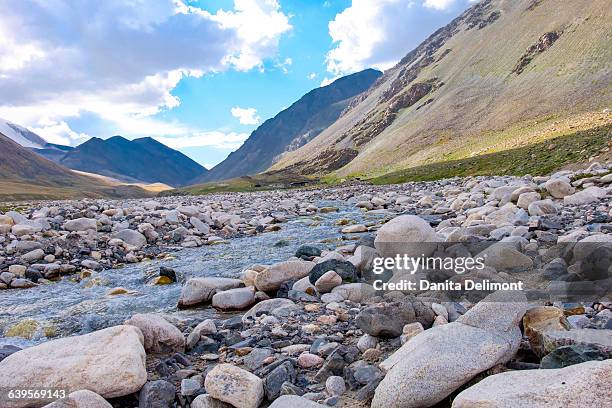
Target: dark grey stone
(274, 381)
(168, 272)
(307, 252)
(388, 319)
(156, 394)
(346, 270)
(569, 355)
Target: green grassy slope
(535, 159)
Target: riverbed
(69, 307)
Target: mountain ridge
(496, 65)
(139, 160)
(293, 126)
(24, 175)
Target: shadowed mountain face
(20, 164)
(139, 160)
(53, 152)
(497, 77)
(293, 127)
(24, 175)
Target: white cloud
(15, 56)
(326, 81)
(119, 61)
(246, 116)
(258, 25)
(216, 139)
(284, 66)
(378, 33)
(312, 76)
(59, 133)
(439, 4)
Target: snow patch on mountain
(21, 135)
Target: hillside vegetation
(502, 75)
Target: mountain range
(501, 75)
(138, 160)
(25, 175)
(129, 161)
(293, 127)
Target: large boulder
(80, 399)
(436, 362)
(24, 229)
(504, 257)
(355, 292)
(33, 256)
(109, 362)
(81, 224)
(346, 270)
(279, 307)
(271, 278)
(506, 215)
(234, 299)
(406, 234)
(559, 187)
(542, 207)
(327, 282)
(131, 237)
(6, 220)
(235, 386)
(586, 196)
(159, 335)
(576, 386)
(389, 319)
(201, 290)
(586, 246)
(199, 225)
(525, 199)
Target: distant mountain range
(25, 175)
(138, 160)
(293, 127)
(142, 160)
(501, 75)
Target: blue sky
(197, 75)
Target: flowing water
(78, 307)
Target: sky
(197, 75)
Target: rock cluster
(44, 242)
(313, 331)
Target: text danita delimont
(409, 265)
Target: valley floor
(271, 298)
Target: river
(70, 307)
